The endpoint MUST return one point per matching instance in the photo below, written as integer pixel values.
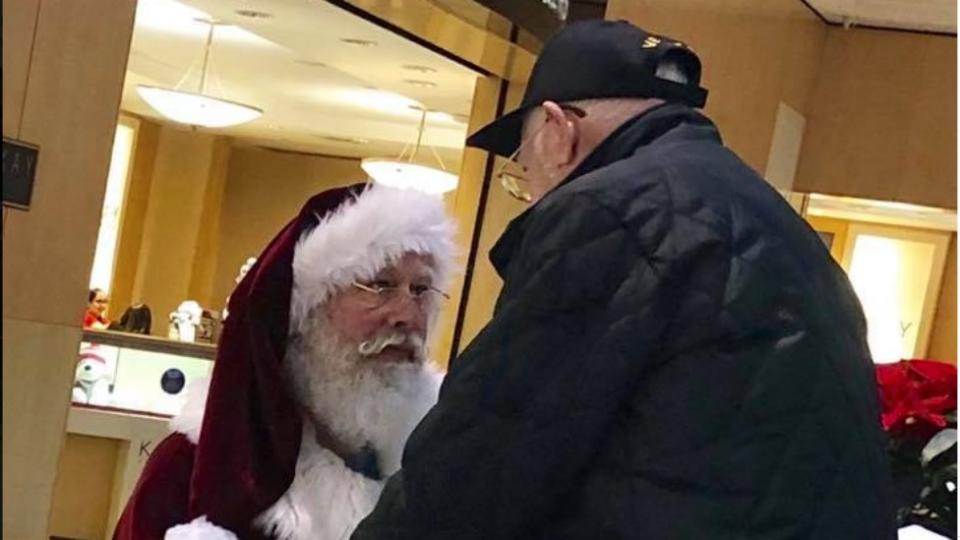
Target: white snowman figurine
(91, 382)
(185, 320)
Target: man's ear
(562, 133)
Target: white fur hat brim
(364, 235)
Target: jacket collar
(639, 131)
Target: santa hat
(250, 436)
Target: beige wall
(943, 336)
(132, 218)
(174, 262)
(264, 190)
(204, 268)
(82, 495)
(882, 124)
(171, 214)
(55, 97)
(755, 54)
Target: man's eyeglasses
(382, 292)
(512, 174)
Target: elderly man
(321, 374)
(674, 354)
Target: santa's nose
(406, 314)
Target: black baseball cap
(597, 59)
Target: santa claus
(321, 375)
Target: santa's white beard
(361, 400)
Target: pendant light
(198, 108)
(407, 174)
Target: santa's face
(386, 318)
(363, 399)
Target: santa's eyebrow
(386, 273)
(425, 279)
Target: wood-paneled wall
(174, 262)
(882, 122)
(63, 70)
(133, 217)
(85, 477)
(943, 336)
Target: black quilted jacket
(674, 355)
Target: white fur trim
(198, 529)
(326, 500)
(360, 237)
(190, 419)
(366, 410)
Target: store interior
(186, 206)
(333, 86)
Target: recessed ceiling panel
(327, 81)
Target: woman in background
(96, 314)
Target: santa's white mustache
(377, 344)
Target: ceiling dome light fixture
(312, 63)
(359, 42)
(407, 174)
(198, 108)
(420, 83)
(419, 68)
(253, 14)
(345, 140)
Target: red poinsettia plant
(916, 396)
(919, 399)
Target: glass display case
(137, 374)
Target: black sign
(19, 171)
